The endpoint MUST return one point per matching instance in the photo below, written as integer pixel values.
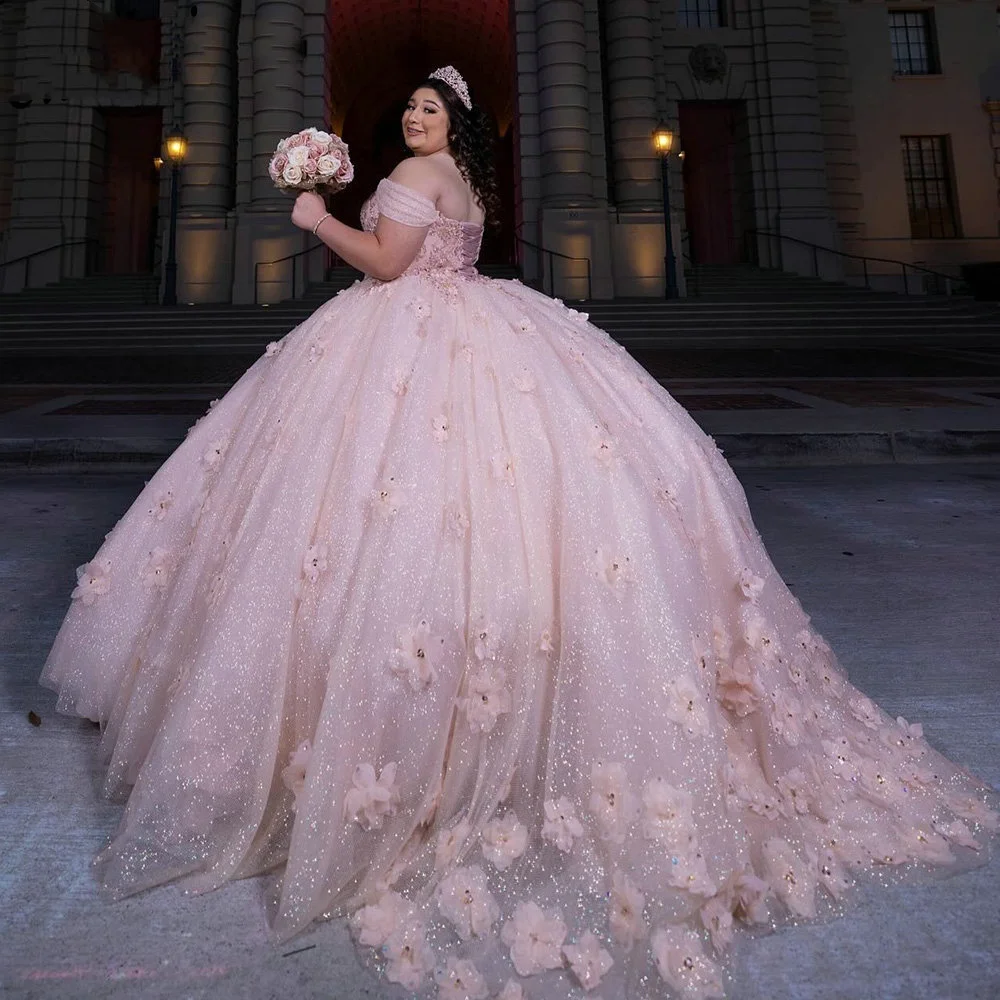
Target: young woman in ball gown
(452, 615)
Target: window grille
(930, 193)
(911, 33)
(701, 13)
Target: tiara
(453, 78)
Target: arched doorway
(377, 50)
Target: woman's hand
(308, 209)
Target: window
(929, 189)
(701, 13)
(911, 33)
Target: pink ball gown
(451, 615)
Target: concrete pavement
(897, 563)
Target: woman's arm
(387, 252)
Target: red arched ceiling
(380, 48)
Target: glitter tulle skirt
(451, 616)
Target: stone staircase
(762, 309)
(97, 290)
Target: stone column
(205, 234)
(264, 231)
(563, 103)
(208, 108)
(992, 109)
(571, 223)
(631, 83)
(637, 234)
(277, 89)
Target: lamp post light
(175, 149)
(663, 143)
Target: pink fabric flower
(535, 938)
(93, 580)
(684, 966)
(504, 841)
(561, 826)
(293, 776)
(625, 912)
(588, 961)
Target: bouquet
(311, 160)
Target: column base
(205, 259)
(579, 233)
(263, 237)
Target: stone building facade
(862, 126)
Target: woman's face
(425, 122)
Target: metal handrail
(293, 257)
(865, 260)
(27, 258)
(555, 253)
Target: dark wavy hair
(471, 137)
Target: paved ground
(765, 407)
(897, 564)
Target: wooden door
(708, 139)
(131, 190)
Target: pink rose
(309, 168)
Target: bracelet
(321, 221)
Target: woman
(451, 612)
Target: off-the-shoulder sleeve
(403, 204)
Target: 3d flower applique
(524, 325)
(588, 960)
(371, 798)
(408, 955)
(830, 872)
(717, 918)
(273, 348)
(502, 468)
(687, 706)
(525, 381)
(958, 833)
(795, 790)
(400, 383)
(504, 841)
(456, 520)
(666, 813)
(459, 979)
(611, 800)
(749, 584)
(601, 445)
(389, 497)
(737, 687)
(688, 869)
(613, 570)
(486, 698)
(372, 925)
(161, 505)
(759, 635)
(416, 655)
(293, 775)
(316, 351)
(314, 563)
(512, 990)
(576, 316)
(625, 912)
(420, 308)
(440, 427)
(786, 718)
(561, 826)
(465, 901)
(907, 737)
(683, 965)
(792, 879)
(750, 896)
(449, 842)
(701, 650)
(155, 573)
(483, 639)
(535, 938)
(546, 643)
(865, 711)
(722, 642)
(924, 844)
(214, 454)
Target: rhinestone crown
(454, 79)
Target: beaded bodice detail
(450, 245)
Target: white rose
(282, 145)
(328, 164)
(323, 138)
(298, 155)
(292, 174)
